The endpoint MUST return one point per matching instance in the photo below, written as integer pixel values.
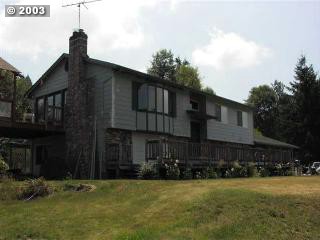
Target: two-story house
(115, 118)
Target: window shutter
(135, 87)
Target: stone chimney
(79, 108)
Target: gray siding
(56, 81)
(124, 116)
(229, 132)
(139, 145)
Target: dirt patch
(80, 187)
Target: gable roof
(46, 74)
(4, 65)
(262, 140)
(149, 77)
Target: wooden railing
(119, 155)
(206, 154)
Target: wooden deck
(14, 129)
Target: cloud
(230, 51)
(111, 25)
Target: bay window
(155, 108)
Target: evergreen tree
(305, 109)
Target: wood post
(14, 97)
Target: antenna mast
(78, 4)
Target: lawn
(255, 208)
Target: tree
(167, 67)
(264, 101)
(209, 90)
(306, 109)
(163, 65)
(188, 76)
(23, 104)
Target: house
(104, 120)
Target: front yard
(249, 208)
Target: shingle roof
(4, 65)
(260, 139)
(136, 73)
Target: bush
(198, 175)
(187, 174)
(172, 170)
(237, 170)
(252, 170)
(148, 171)
(209, 173)
(3, 166)
(35, 188)
(264, 172)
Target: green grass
(258, 208)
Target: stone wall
(79, 112)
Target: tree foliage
(291, 114)
(188, 76)
(23, 104)
(163, 65)
(264, 101)
(170, 68)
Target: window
(239, 118)
(54, 103)
(166, 101)
(155, 106)
(194, 105)
(40, 109)
(50, 108)
(224, 114)
(143, 97)
(152, 99)
(159, 100)
(218, 112)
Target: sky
(236, 45)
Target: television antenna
(79, 4)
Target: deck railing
(206, 154)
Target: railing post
(186, 153)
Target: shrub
(35, 188)
(3, 166)
(148, 171)
(172, 170)
(237, 170)
(264, 172)
(210, 173)
(187, 174)
(252, 170)
(198, 175)
(278, 170)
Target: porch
(196, 155)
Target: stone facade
(79, 109)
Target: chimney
(79, 106)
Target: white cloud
(110, 24)
(230, 51)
